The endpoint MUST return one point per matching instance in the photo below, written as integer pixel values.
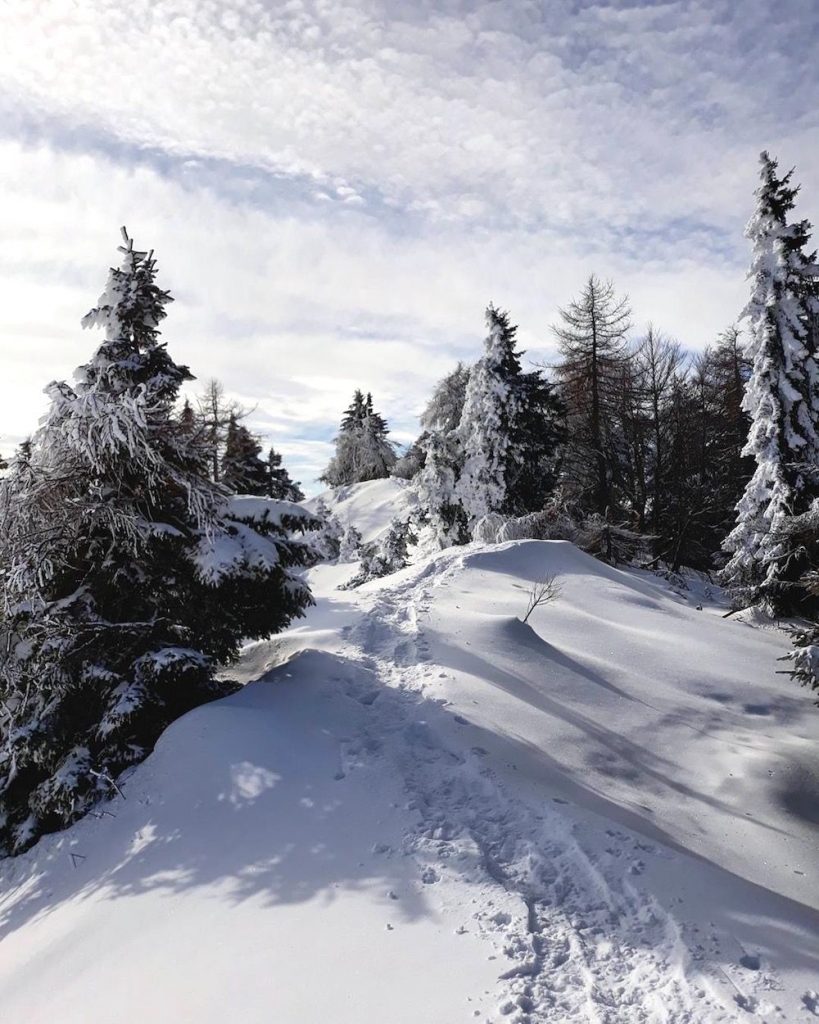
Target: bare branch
(542, 592)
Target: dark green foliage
(127, 575)
(243, 470)
(278, 482)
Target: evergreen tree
(350, 546)
(127, 576)
(500, 454)
(491, 406)
(767, 559)
(437, 490)
(213, 415)
(412, 461)
(592, 342)
(243, 471)
(444, 410)
(187, 418)
(328, 533)
(510, 428)
(536, 434)
(363, 449)
(385, 556)
(279, 484)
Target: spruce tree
(127, 575)
(444, 409)
(279, 483)
(187, 418)
(350, 544)
(537, 432)
(386, 555)
(491, 406)
(491, 440)
(363, 449)
(436, 487)
(328, 533)
(767, 559)
(243, 471)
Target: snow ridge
(575, 936)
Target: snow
(239, 544)
(370, 506)
(272, 510)
(419, 809)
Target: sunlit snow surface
(421, 810)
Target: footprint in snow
(810, 1000)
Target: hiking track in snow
(575, 935)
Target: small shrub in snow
(542, 592)
(327, 537)
(350, 545)
(385, 556)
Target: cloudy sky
(336, 189)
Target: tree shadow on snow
(279, 795)
(274, 794)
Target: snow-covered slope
(369, 506)
(421, 810)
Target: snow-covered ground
(369, 506)
(421, 810)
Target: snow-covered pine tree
(412, 460)
(437, 490)
(767, 559)
(279, 483)
(444, 409)
(363, 449)
(243, 470)
(491, 409)
(127, 575)
(350, 545)
(328, 533)
(435, 482)
(491, 440)
(385, 556)
(491, 405)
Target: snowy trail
(420, 811)
(576, 938)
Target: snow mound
(370, 506)
(427, 810)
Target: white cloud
(558, 113)
(336, 189)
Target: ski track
(575, 936)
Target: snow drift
(425, 810)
